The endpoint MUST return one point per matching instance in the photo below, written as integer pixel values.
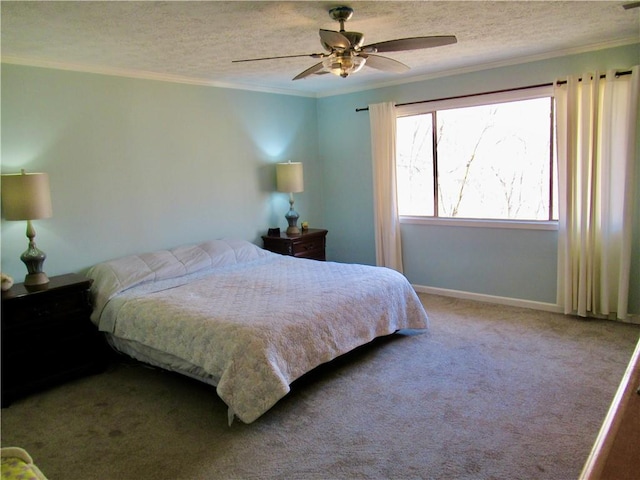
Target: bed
(243, 319)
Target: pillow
(245, 251)
(115, 276)
(17, 463)
(220, 252)
(163, 264)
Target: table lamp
(26, 196)
(289, 179)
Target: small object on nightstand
(7, 282)
(305, 226)
(274, 232)
(309, 243)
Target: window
(485, 157)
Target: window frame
(473, 100)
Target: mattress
(250, 324)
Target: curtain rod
(559, 82)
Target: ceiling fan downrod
(341, 14)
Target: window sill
(474, 222)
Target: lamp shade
(289, 177)
(26, 196)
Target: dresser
(310, 243)
(47, 336)
(616, 452)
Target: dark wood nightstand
(310, 243)
(47, 336)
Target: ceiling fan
(346, 54)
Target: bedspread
(258, 325)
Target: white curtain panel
(383, 151)
(596, 139)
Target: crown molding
(145, 75)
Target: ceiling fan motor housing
(356, 40)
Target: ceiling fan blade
(312, 55)
(384, 63)
(414, 43)
(331, 40)
(309, 71)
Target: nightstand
(310, 243)
(47, 336)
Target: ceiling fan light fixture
(343, 65)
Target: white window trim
(481, 223)
(472, 101)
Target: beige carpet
(490, 392)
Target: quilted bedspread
(256, 323)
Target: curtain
(596, 140)
(382, 117)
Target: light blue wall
(139, 165)
(511, 263)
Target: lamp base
(292, 219)
(34, 258)
(33, 279)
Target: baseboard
(513, 302)
(481, 297)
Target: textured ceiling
(196, 41)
